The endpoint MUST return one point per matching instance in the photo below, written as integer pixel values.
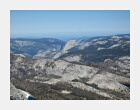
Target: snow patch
(113, 46)
(101, 42)
(65, 92)
(115, 37)
(100, 48)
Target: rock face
(73, 58)
(95, 66)
(97, 50)
(110, 81)
(59, 54)
(45, 54)
(40, 67)
(69, 45)
(80, 76)
(16, 94)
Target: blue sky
(67, 23)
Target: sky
(68, 23)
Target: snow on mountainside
(16, 94)
(100, 48)
(101, 42)
(113, 46)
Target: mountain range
(96, 68)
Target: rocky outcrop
(96, 50)
(100, 66)
(21, 67)
(73, 58)
(16, 94)
(45, 54)
(51, 72)
(111, 81)
(59, 54)
(69, 45)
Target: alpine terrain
(95, 68)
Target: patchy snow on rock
(115, 37)
(26, 94)
(21, 55)
(100, 48)
(16, 94)
(53, 81)
(65, 92)
(113, 46)
(124, 58)
(97, 39)
(101, 42)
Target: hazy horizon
(63, 38)
(68, 23)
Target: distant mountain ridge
(97, 49)
(31, 47)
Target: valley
(96, 68)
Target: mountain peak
(69, 45)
